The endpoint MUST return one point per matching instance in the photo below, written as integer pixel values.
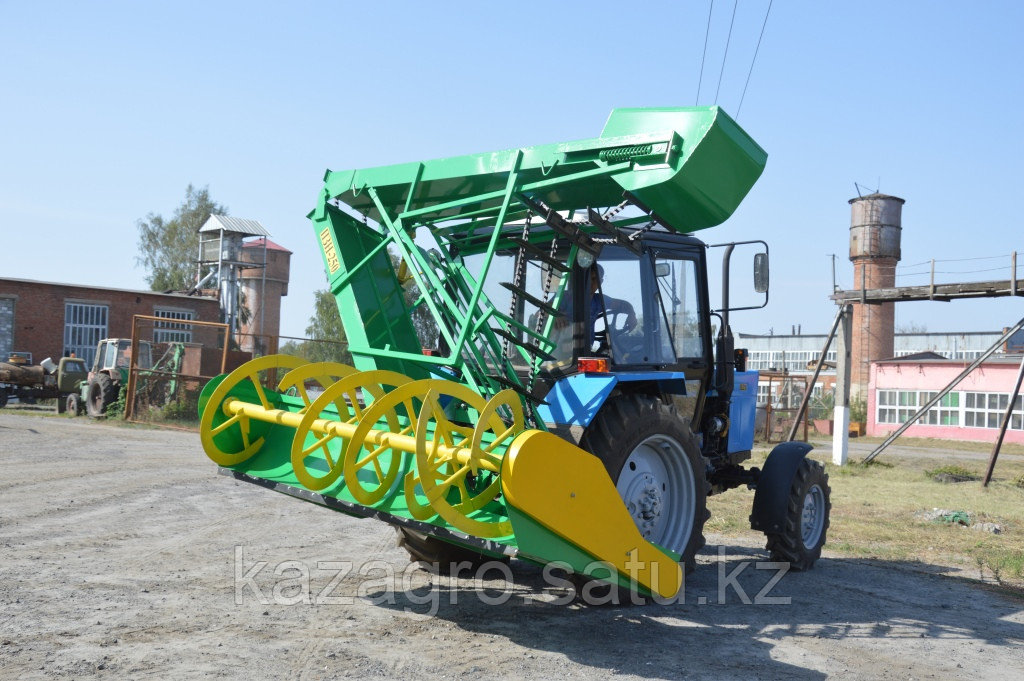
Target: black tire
(807, 518)
(73, 404)
(62, 404)
(644, 429)
(3, 398)
(101, 393)
(437, 556)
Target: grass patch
(875, 515)
(952, 473)
(853, 468)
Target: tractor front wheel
(101, 393)
(654, 461)
(807, 518)
(73, 404)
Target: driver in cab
(601, 306)
(599, 309)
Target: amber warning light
(593, 365)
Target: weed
(859, 467)
(116, 408)
(952, 473)
(183, 408)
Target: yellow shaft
(379, 438)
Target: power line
(921, 274)
(986, 257)
(703, 56)
(929, 262)
(726, 55)
(754, 59)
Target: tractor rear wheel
(438, 557)
(654, 461)
(807, 518)
(101, 393)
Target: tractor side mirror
(662, 269)
(761, 272)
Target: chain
(615, 211)
(548, 278)
(517, 281)
(646, 228)
(542, 317)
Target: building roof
(241, 226)
(919, 356)
(995, 358)
(271, 246)
(90, 287)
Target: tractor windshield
(679, 295)
(118, 354)
(626, 319)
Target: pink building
(973, 410)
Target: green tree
(168, 248)
(325, 329)
(294, 348)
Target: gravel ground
(124, 555)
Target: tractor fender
(771, 497)
(576, 400)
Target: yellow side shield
(568, 491)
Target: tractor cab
(643, 310)
(114, 354)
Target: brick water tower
(875, 228)
(264, 284)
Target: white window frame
(85, 325)
(986, 410)
(176, 331)
(894, 406)
(8, 346)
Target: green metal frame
(687, 167)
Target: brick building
(52, 320)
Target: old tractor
(581, 398)
(109, 372)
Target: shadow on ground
(733, 619)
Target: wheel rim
(812, 520)
(658, 487)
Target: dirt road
(124, 555)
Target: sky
(109, 110)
